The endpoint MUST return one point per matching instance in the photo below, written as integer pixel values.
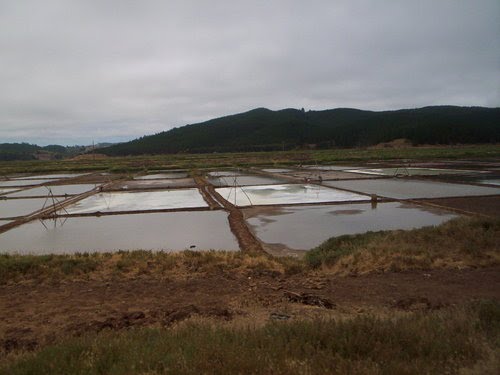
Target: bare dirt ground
(489, 206)
(33, 315)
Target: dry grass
(140, 263)
(449, 341)
(460, 243)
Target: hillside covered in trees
(26, 151)
(262, 129)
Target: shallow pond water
(410, 171)
(9, 183)
(277, 170)
(6, 190)
(411, 189)
(286, 194)
(227, 173)
(56, 190)
(20, 207)
(155, 231)
(329, 167)
(329, 175)
(244, 180)
(51, 176)
(490, 181)
(156, 184)
(305, 227)
(138, 201)
(163, 175)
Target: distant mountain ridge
(262, 129)
(26, 151)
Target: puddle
(56, 190)
(412, 189)
(129, 201)
(277, 170)
(163, 175)
(286, 194)
(51, 176)
(411, 171)
(8, 183)
(156, 184)
(20, 207)
(244, 180)
(305, 227)
(155, 231)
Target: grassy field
(459, 243)
(216, 160)
(439, 342)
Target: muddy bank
(33, 315)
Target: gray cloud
(73, 71)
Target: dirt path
(203, 188)
(246, 239)
(35, 315)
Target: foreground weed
(432, 343)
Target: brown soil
(90, 157)
(33, 314)
(489, 206)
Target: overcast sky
(113, 70)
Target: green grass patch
(17, 267)
(420, 343)
(462, 242)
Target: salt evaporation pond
(330, 175)
(328, 167)
(224, 173)
(6, 190)
(410, 171)
(413, 189)
(494, 181)
(56, 190)
(286, 194)
(244, 180)
(20, 207)
(277, 170)
(162, 176)
(51, 176)
(9, 183)
(156, 184)
(138, 201)
(305, 227)
(155, 231)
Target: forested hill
(262, 129)
(26, 151)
